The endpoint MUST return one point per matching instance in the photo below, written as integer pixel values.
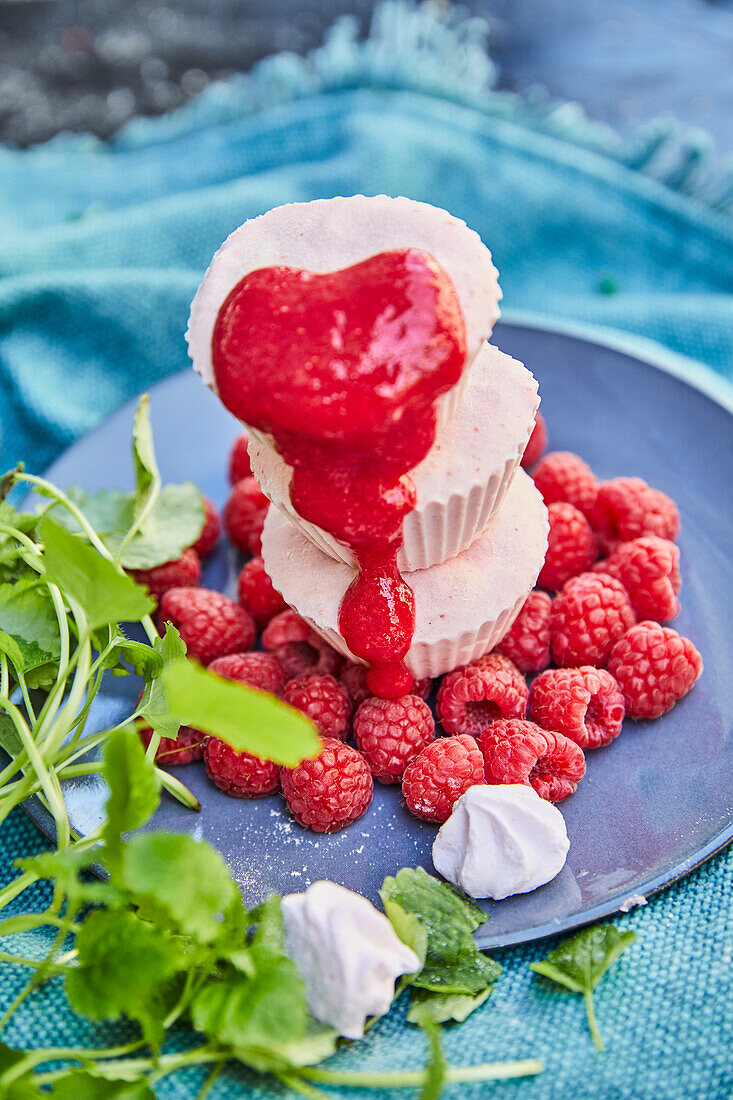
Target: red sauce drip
(344, 370)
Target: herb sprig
(580, 962)
(164, 939)
(169, 941)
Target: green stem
(62, 771)
(488, 1071)
(151, 498)
(26, 696)
(209, 1082)
(303, 1088)
(592, 1021)
(43, 775)
(28, 545)
(57, 494)
(65, 1054)
(26, 922)
(55, 695)
(180, 792)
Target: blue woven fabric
(101, 249)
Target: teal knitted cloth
(101, 249)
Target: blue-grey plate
(654, 804)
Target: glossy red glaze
(343, 370)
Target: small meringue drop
(501, 840)
(348, 954)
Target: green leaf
(123, 965)
(247, 719)
(173, 524)
(23, 1088)
(269, 936)
(580, 962)
(143, 452)
(181, 883)
(134, 787)
(437, 1067)
(443, 1007)
(154, 703)
(63, 866)
(77, 1084)
(12, 651)
(144, 660)
(105, 595)
(453, 962)
(9, 736)
(408, 928)
(318, 1042)
(110, 511)
(264, 1011)
(29, 630)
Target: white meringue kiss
(501, 840)
(348, 954)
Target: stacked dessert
(350, 337)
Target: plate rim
(690, 372)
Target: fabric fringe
(440, 50)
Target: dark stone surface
(92, 64)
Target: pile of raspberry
(587, 649)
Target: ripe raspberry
(257, 670)
(564, 476)
(239, 773)
(571, 546)
(254, 539)
(591, 612)
(654, 668)
(472, 697)
(210, 531)
(390, 732)
(257, 594)
(436, 778)
(244, 513)
(188, 746)
(299, 649)
(527, 643)
(627, 508)
(520, 752)
(537, 442)
(423, 687)
(649, 570)
(183, 572)
(239, 463)
(287, 626)
(210, 624)
(584, 703)
(324, 700)
(353, 677)
(330, 791)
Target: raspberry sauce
(343, 370)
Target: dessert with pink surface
(462, 480)
(350, 337)
(335, 331)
